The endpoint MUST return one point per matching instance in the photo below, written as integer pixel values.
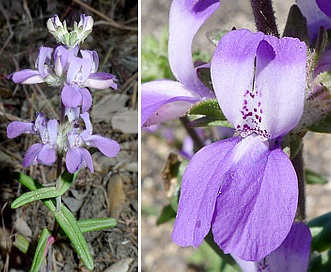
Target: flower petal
(47, 155)
(74, 160)
(281, 82)
(293, 253)
(185, 19)
(16, 128)
(86, 99)
(71, 96)
(108, 147)
(164, 100)
(31, 154)
(52, 130)
(325, 6)
(87, 159)
(271, 100)
(101, 81)
(257, 202)
(235, 52)
(44, 57)
(200, 188)
(27, 76)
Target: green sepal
(320, 228)
(314, 178)
(215, 35)
(69, 225)
(44, 192)
(96, 224)
(167, 214)
(209, 122)
(296, 25)
(209, 108)
(40, 250)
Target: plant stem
(299, 169)
(264, 17)
(198, 144)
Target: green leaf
(314, 178)
(40, 192)
(40, 250)
(96, 224)
(69, 225)
(21, 243)
(320, 228)
(209, 108)
(320, 262)
(33, 185)
(166, 215)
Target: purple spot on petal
(198, 224)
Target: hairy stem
(198, 144)
(299, 169)
(264, 17)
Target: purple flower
(164, 100)
(82, 73)
(44, 152)
(77, 156)
(245, 187)
(317, 13)
(291, 256)
(29, 76)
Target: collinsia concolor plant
(70, 71)
(245, 195)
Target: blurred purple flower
(291, 256)
(163, 100)
(245, 187)
(77, 156)
(317, 13)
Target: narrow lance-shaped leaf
(96, 224)
(44, 192)
(69, 225)
(40, 250)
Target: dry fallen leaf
(107, 106)
(126, 121)
(116, 196)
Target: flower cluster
(73, 70)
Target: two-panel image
(170, 135)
